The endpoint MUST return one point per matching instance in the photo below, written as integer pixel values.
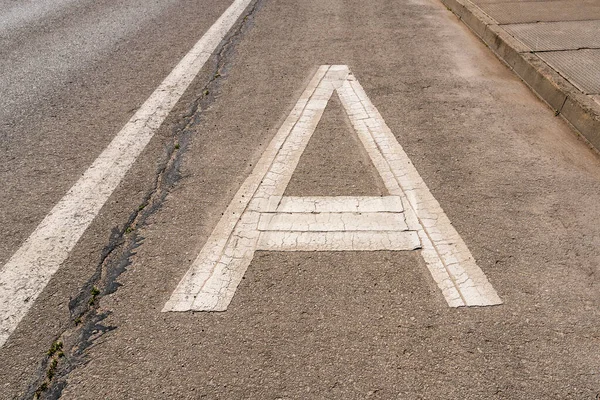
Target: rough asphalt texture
(520, 188)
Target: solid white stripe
(332, 221)
(341, 204)
(338, 241)
(28, 271)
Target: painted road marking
(331, 222)
(358, 204)
(28, 271)
(260, 218)
(354, 240)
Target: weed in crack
(56, 347)
(54, 354)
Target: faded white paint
(260, 218)
(28, 271)
(331, 222)
(357, 204)
(355, 240)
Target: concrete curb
(580, 110)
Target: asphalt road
(517, 184)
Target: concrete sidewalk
(554, 46)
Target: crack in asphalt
(86, 324)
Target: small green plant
(52, 370)
(206, 92)
(129, 229)
(177, 146)
(54, 353)
(94, 292)
(56, 346)
(43, 387)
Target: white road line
(341, 204)
(332, 221)
(338, 241)
(28, 271)
(260, 218)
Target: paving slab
(564, 35)
(568, 25)
(514, 13)
(582, 67)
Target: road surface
(350, 200)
